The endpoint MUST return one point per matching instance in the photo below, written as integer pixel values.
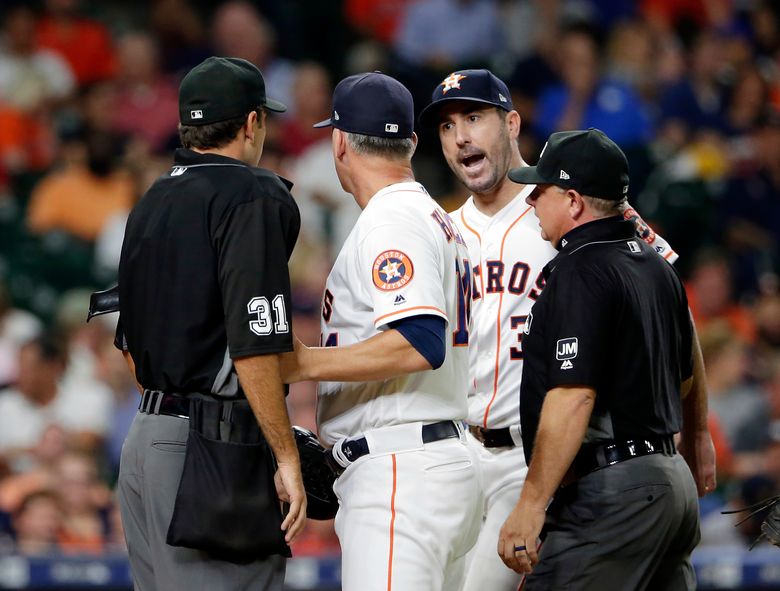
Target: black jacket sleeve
(253, 242)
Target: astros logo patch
(392, 270)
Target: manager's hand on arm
(565, 415)
(261, 380)
(695, 439)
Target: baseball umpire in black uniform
(608, 361)
(204, 312)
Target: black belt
(600, 455)
(492, 437)
(154, 402)
(357, 448)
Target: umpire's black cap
(480, 86)
(373, 104)
(222, 88)
(586, 161)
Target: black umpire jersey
(203, 275)
(613, 316)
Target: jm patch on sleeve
(392, 270)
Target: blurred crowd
(690, 89)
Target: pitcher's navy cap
(222, 88)
(586, 161)
(481, 86)
(373, 104)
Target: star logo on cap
(452, 81)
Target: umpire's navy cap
(586, 161)
(373, 104)
(480, 86)
(222, 88)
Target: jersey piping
(434, 308)
(479, 238)
(498, 320)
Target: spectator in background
(40, 473)
(85, 504)
(766, 312)
(16, 328)
(31, 78)
(311, 103)
(239, 30)
(747, 106)
(85, 44)
(697, 101)
(632, 57)
(710, 296)
(327, 212)
(37, 522)
(147, 105)
(669, 14)
(83, 342)
(376, 19)
(179, 29)
(765, 24)
(748, 207)
(742, 409)
(446, 34)
(80, 198)
(36, 401)
(112, 371)
(585, 98)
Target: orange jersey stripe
(498, 321)
(408, 309)
(473, 231)
(392, 529)
(668, 255)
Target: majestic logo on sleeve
(392, 270)
(452, 81)
(566, 350)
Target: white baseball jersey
(403, 258)
(507, 254)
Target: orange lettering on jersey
(392, 270)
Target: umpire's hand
(518, 538)
(289, 488)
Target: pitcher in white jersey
(393, 365)
(478, 129)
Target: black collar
(184, 157)
(602, 230)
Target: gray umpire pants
(630, 526)
(151, 465)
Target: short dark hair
(212, 135)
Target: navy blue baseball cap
(373, 104)
(584, 160)
(480, 86)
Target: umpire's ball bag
(226, 504)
